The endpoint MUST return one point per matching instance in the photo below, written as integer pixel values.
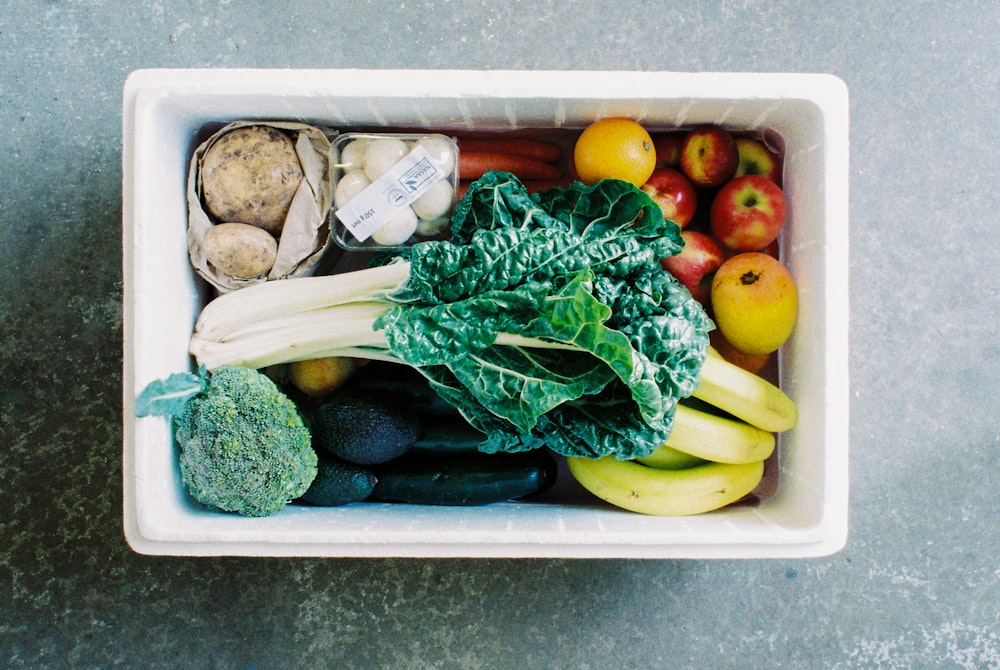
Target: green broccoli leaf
(169, 397)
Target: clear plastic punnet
(391, 190)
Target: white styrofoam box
(164, 112)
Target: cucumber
(447, 435)
(463, 479)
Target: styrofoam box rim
(163, 110)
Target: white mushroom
(435, 202)
(349, 186)
(397, 229)
(352, 156)
(441, 151)
(382, 154)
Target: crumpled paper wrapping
(306, 233)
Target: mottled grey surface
(918, 584)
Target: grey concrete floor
(918, 584)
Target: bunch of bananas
(710, 460)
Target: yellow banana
(712, 438)
(639, 488)
(668, 458)
(745, 395)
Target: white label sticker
(403, 183)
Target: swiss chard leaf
(521, 384)
(663, 322)
(578, 318)
(438, 333)
(503, 238)
(593, 427)
(518, 384)
(578, 268)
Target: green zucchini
(464, 478)
(403, 384)
(447, 435)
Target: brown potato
(240, 250)
(249, 175)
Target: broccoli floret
(243, 444)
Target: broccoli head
(243, 444)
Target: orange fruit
(614, 149)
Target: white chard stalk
(269, 300)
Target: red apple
(756, 158)
(668, 148)
(747, 213)
(675, 195)
(694, 265)
(709, 156)
(772, 249)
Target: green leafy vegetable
(546, 319)
(577, 266)
(243, 445)
(168, 397)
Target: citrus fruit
(614, 149)
(754, 302)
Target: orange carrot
(530, 185)
(535, 185)
(474, 164)
(518, 146)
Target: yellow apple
(755, 302)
